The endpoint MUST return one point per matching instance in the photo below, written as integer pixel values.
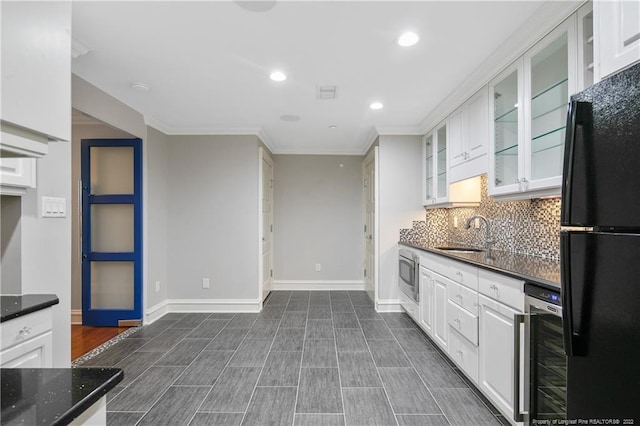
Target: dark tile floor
(309, 358)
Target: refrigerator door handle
(569, 333)
(518, 320)
(576, 116)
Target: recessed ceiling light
(142, 87)
(376, 105)
(332, 126)
(290, 117)
(408, 39)
(278, 76)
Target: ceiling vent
(327, 92)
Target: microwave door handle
(518, 320)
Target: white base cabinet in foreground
(469, 313)
(27, 341)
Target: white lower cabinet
(464, 353)
(426, 301)
(496, 369)
(27, 341)
(469, 312)
(440, 329)
(410, 307)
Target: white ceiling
(208, 63)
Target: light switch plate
(54, 207)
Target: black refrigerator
(600, 251)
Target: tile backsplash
(529, 227)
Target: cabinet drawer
(507, 290)
(435, 263)
(463, 353)
(464, 274)
(410, 307)
(18, 330)
(464, 297)
(462, 321)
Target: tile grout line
(223, 369)
(420, 377)
(185, 369)
(386, 394)
(246, 410)
(335, 342)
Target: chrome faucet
(488, 241)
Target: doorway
(85, 338)
(266, 228)
(369, 188)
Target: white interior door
(267, 222)
(369, 224)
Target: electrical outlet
(455, 221)
(205, 283)
(318, 267)
(157, 285)
(476, 223)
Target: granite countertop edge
(52, 381)
(553, 285)
(82, 405)
(14, 306)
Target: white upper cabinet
(617, 35)
(436, 183)
(16, 175)
(437, 190)
(528, 104)
(469, 138)
(36, 76)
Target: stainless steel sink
(461, 249)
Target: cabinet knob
(457, 321)
(460, 275)
(24, 332)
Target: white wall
(46, 245)
(400, 188)
(79, 132)
(318, 218)
(156, 226)
(212, 217)
(11, 249)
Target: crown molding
(266, 140)
(547, 17)
(304, 151)
(403, 131)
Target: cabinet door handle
(460, 275)
(496, 289)
(24, 332)
(457, 321)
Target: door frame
(262, 156)
(112, 317)
(372, 157)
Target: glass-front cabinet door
(506, 130)
(551, 79)
(528, 106)
(428, 178)
(436, 183)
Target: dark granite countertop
(529, 268)
(16, 306)
(52, 396)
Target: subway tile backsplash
(529, 227)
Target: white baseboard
(318, 285)
(388, 306)
(201, 305)
(155, 312)
(76, 316)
